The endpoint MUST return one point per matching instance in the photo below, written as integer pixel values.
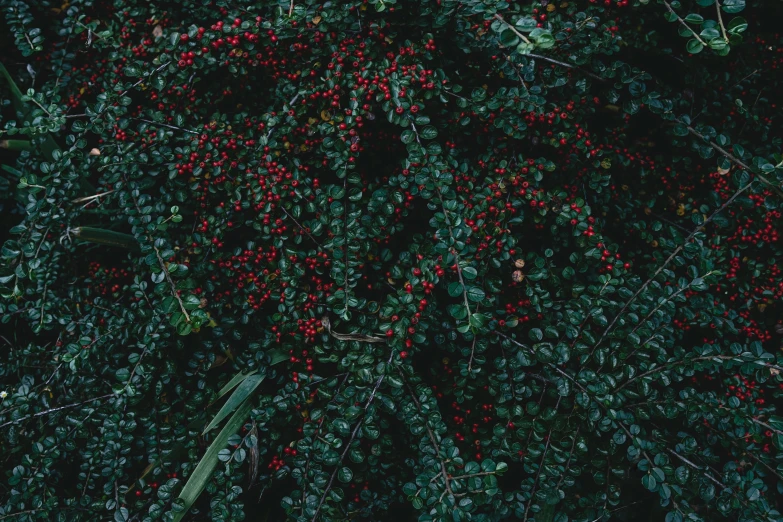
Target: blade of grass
(240, 395)
(16, 145)
(11, 170)
(16, 94)
(206, 466)
(106, 237)
(278, 356)
(230, 385)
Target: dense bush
(391, 259)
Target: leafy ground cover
(391, 259)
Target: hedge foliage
(430, 260)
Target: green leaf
(203, 472)
(458, 311)
(508, 38)
(475, 294)
(469, 273)
(693, 18)
(732, 6)
(240, 395)
(776, 422)
(455, 289)
(478, 320)
(699, 284)
(737, 25)
(429, 132)
(526, 24)
(694, 46)
(710, 33)
(542, 37)
(345, 474)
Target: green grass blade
(106, 237)
(230, 385)
(11, 170)
(206, 466)
(16, 94)
(242, 393)
(16, 145)
(278, 356)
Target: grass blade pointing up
(240, 395)
(230, 385)
(206, 466)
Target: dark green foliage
(391, 260)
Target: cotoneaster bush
(391, 260)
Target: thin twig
(567, 65)
(162, 264)
(32, 99)
(685, 361)
(672, 223)
(88, 199)
(453, 250)
(350, 441)
(126, 91)
(20, 513)
(663, 302)
(309, 456)
(54, 410)
(166, 125)
(472, 353)
(327, 324)
(513, 29)
(431, 436)
(568, 462)
(720, 22)
(301, 227)
(666, 263)
(174, 291)
(730, 156)
(669, 7)
(695, 466)
(540, 467)
(746, 77)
